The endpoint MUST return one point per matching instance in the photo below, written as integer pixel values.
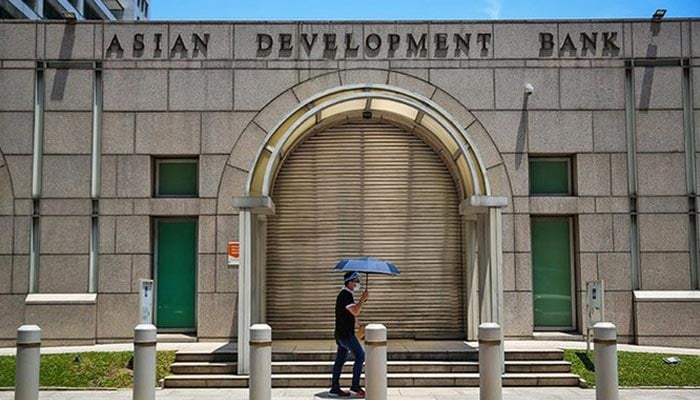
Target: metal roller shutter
(365, 189)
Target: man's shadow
(326, 395)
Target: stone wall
(163, 97)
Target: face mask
(357, 287)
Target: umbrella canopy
(368, 265)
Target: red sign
(234, 253)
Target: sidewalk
(540, 393)
(210, 346)
(394, 394)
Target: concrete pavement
(319, 344)
(394, 394)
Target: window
(550, 176)
(177, 177)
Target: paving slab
(329, 345)
(394, 394)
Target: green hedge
(640, 369)
(97, 370)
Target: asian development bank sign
(414, 45)
(358, 44)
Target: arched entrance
(365, 188)
(480, 212)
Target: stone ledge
(167, 206)
(258, 204)
(481, 204)
(60, 298)
(554, 205)
(667, 318)
(666, 296)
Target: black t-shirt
(344, 320)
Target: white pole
(605, 341)
(245, 234)
(144, 362)
(490, 384)
(28, 362)
(375, 378)
(260, 378)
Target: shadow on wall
(648, 77)
(523, 131)
(67, 44)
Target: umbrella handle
(367, 280)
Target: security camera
(529, 89)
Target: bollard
(260, 378)
(28, 362)
(144, 362)
(375, 376)
(490, 383)
(605, 342)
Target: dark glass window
(177, 178)
(550, 176)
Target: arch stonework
(417, 106)
(412, 111)
(241, 159)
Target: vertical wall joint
(37, 155)
(630, 131)
(690, 162)
(95, 181)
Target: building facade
(107, 10)
(501, 165)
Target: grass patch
(97, 370)
(640, 369)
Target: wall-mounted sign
(141, 45)
(417, 44)
(234, 253)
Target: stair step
(553, 366)
(311, 367)
(176, 338)
(203, 368)
(394, 380)
(468, 355)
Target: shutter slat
(365, 189)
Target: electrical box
(594, 294)
(145, 301)
(595, 307)
(594, 303)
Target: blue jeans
(344, 344)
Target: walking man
(346, 309)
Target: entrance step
(176, 338)
(394, 380)
(558, 336)
(462, 355)
(425, 367)
(320, 367)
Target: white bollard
(605, 341)
(144, 362)
(28, 362)
(260, 378)
(375, 376)
(490, 383)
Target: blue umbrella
(368, 265)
